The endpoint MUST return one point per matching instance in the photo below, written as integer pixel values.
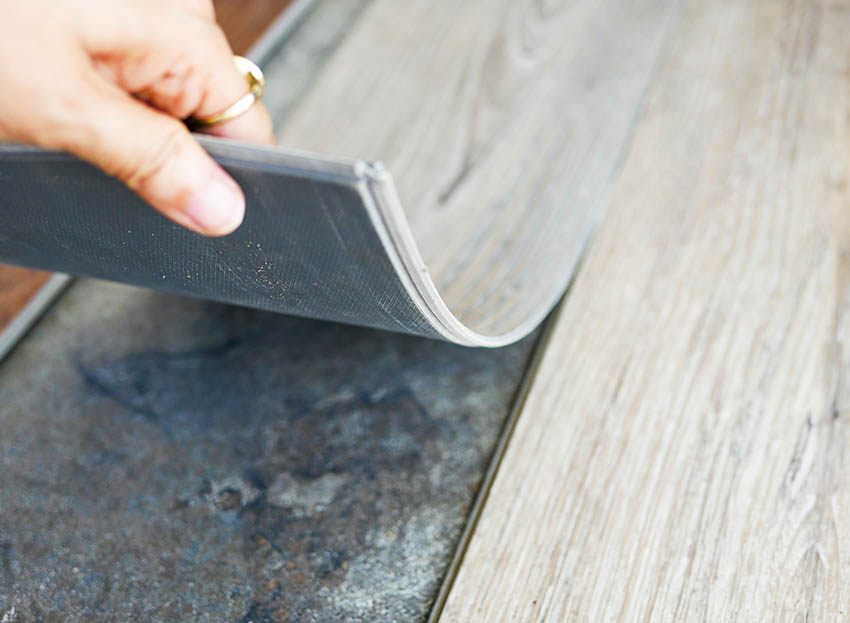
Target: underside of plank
(683, 452)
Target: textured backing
(307, 247)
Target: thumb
(156, 156)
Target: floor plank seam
(495, 461)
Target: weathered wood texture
(683, 453)
(503, 124)
(243, 22)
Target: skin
(110, 81)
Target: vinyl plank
(410, 85)
(503, 124)
(682, 455)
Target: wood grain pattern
(243, 22)
(503, 124)
(682, 455)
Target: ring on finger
(256, 87)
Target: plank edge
(517, 407)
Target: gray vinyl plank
(502, 127)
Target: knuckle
(176, 93)
(182, 106)
(186, 97)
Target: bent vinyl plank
(503, 122)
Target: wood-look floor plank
(682, 455)
(503, 124)
(243, 23)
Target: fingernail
(219, 208)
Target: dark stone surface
(163, 459)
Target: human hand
(109, 80)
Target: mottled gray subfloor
(165, 459)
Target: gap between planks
(478, 505)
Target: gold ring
(256, 88)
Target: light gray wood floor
(682, 455)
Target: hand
(109, 80)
